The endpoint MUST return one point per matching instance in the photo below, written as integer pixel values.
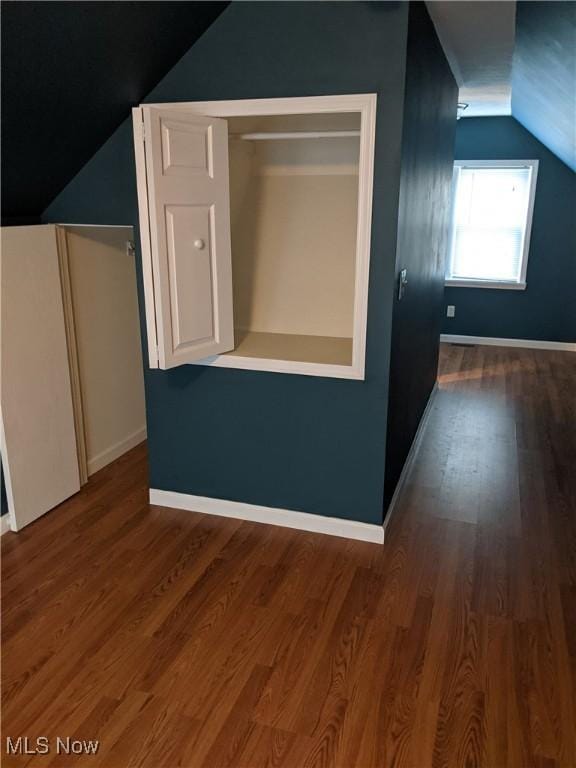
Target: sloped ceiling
(515, 58)
(70, 73)
(478, 40)
(544, 75)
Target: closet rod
(265, 135)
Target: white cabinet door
(189, 216)
(38, 438)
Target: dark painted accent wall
(70, 73)
(427, 162)
(3, 498)
(544, 74)
(297, 442)
(546, 310)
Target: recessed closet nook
(71, 374)
(255, 225)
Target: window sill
(509, 286)
(325, 370)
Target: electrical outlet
(450, 310)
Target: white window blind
(490, 215)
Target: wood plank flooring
(177, 639)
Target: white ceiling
(478, 39)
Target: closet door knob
(199, 244)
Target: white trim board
(115, 451)
(4, 524)
(490, 341)
(286, 518)
(271, 365)
(411, 458)
(145, 241)
(503, 285)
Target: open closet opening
(104, 312)
(71, 374)
(255, 218)
(294, 219)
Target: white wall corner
(115, 451)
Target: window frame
(514, 285)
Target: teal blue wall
(546, 310)
(423, 225)
(297, 442)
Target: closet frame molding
(365, 105)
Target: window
(491, 220)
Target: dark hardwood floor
(178, 639)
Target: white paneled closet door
(39, 448)
(187, 176)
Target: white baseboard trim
(4, 525)
(302, 521)
(411, 458)
(115, 451)
(490, 341)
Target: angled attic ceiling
(70, 73)
(478, 40)
(515, 58)
(544, 75)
